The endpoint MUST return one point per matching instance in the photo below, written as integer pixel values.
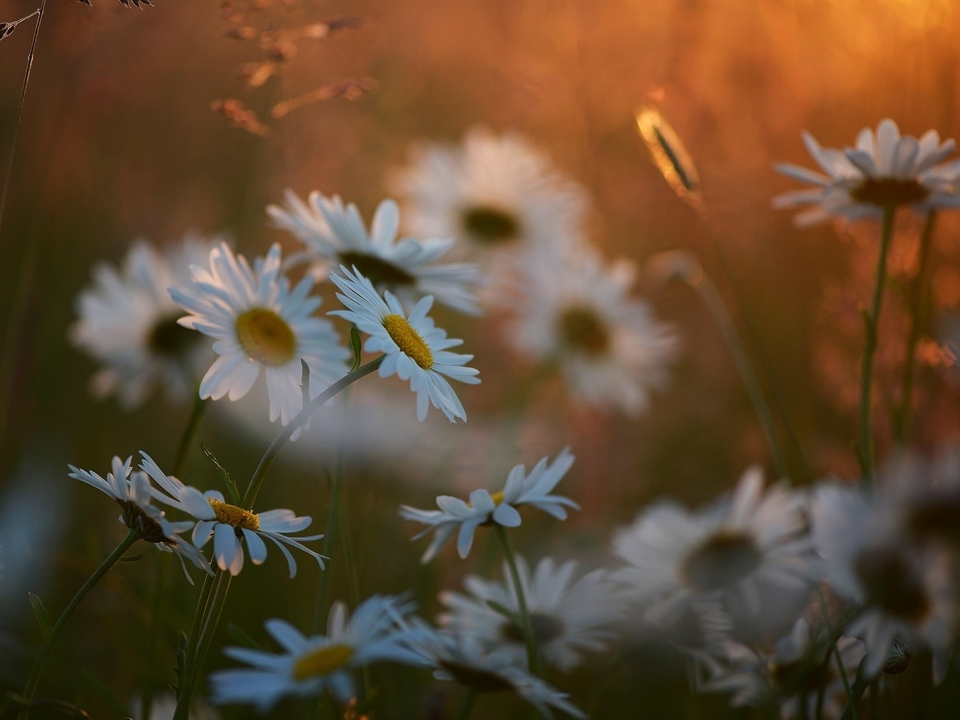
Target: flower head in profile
(229, 524)
(128, 323)
(308, 666)
(567, 616)
(491, 191)
(727, 551)
(134, 494)
(578, 313)
(884, 170)
(336, 235)
(416, 350)
(456, 517)
(258, 322)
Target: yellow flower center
(239, 518)
(322, 661)
(266, 337)
(408, 340)
(497, 497)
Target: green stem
(34, 678)
(531, 641)
(211, 586)
(711, 298)
(183, 449)
(466, 707)
(916, 322)
(299, 421)
(871, 324)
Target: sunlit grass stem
(531, 641)
(33, 678)
(871, 321)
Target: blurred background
(196, 115)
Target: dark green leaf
(40, 612)
(355, 345)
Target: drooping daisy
(258, 321)
(567, 617)
(725, 551)
(904, 590)
(335, 235)
(228, 524)
(128, 323)
(462, 659)
(309, 665)
(802, 671)
(133, 492)
(463, 518)
(883, 170)
(578, 314)
(415, 349)
(490, 192)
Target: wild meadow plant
(797, 599)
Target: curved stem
(916, 321)
(871, 323)
(531, 641)
(33, 679)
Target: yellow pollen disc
(497, 497)
(408, 340)
(232, 515)
(266, 337)
(322, 661)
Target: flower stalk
(531, 641)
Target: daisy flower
(567, 616)
(904, 591)
(578, 314)
(726, 551)
(794, 676)
(259, 322)
(463, 518)
(336, 235)
(415, 349)
(133, 492)
(228, 524)
(128, 323)
(462, 659)
(309, 665)
(884, 170)
(491, 191)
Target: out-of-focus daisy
(133, 492)
(415, 349)
(490, 192)
(883, 170)
(464, 660)
(727, 550)
(799, 675)
(228, 524)
(567, 617)
(463, 518)
(904, 590)
(309, 665)
(578, 314)
(128, 323)
(258, 321)
(336, 235)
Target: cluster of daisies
(851, 577)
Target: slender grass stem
(149, 652)
(531, 641)
(871, 323)
(902, 423)
(466, 707)
(33, 678)
(193, 423)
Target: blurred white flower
(258, 321)
(228, 524)
(567, 616)
(463, 518)
(578, 313)
(491, 191)
(415, 349)
(335, 235)
(309, 665)
(128, 323)
(728, 550)
(884, 170)
(164, 707)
